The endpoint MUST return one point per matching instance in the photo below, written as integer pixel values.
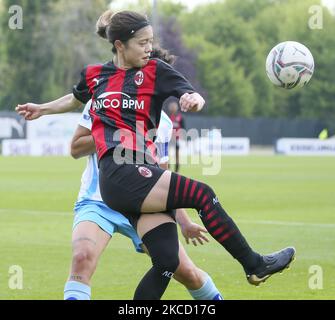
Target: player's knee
(167, 257)
(207, 189)
(163, 246)
(207, 193)
(80, 258)
(166, 261)
(83, 256)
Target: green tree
(318, 100)
(223, 79)
(75, 44)
(3, 56)
(288, 20)
(45, 57)
(28, 53)
(224, 29)
(248, 30)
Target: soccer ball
(289, 65)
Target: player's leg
(148, 189)
(199, 284)
(90, 236)
(173, 191)
(177, 191)
(88, 243)
(159, 235)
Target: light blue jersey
(90, 206)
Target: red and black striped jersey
(126, 104)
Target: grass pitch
(276, 201)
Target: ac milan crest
(139, 77)
(145, 172)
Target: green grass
(276, 201)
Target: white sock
(207, 292)
(75, 290)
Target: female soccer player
(95, 223)
(128, 93)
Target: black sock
(188, 193)
(163, 246)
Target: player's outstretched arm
(32, 111)
(82, 143)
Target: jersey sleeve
(81, 91)
(85, 119)
(170, 82)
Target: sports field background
(276, 201)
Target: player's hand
(194, 232)
(191, 102)
(30, 111)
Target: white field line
(265, 222)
